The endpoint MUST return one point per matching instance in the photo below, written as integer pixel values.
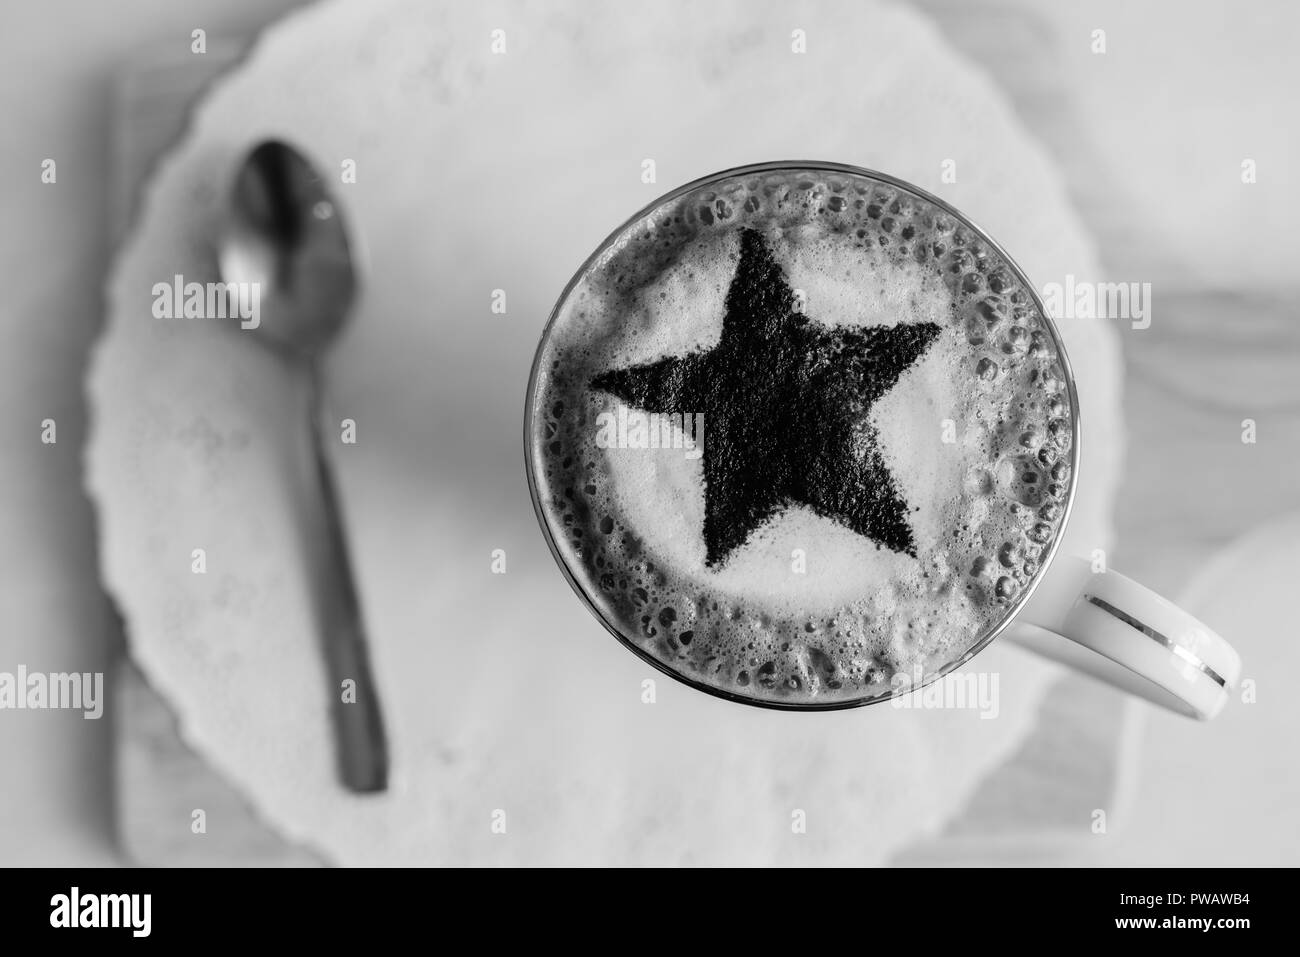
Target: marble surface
(1163, 120)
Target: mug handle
(1114, 629)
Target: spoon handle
(361, 742)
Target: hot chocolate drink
(794, 431)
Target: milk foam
(976, 434)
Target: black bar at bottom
(820, 907)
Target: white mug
(1088, 617)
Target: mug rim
(1061, 357)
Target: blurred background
(1149, 135)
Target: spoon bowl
(285, 233)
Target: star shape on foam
(785, 403)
